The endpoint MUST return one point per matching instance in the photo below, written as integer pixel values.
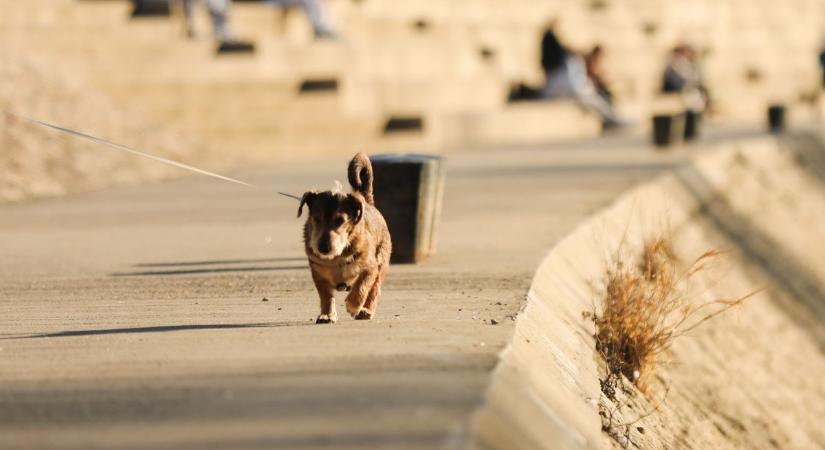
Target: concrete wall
(763, 199)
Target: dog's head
(332, 219)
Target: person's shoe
(235, 46)
(326, 34)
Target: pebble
(265, 300)
(493, 322)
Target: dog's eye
(339, 221)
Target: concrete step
(241, 105)
(523, 123)
(365, 96)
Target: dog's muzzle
(342, 287)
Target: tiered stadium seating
(414, 74)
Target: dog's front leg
(375, 291)
(327, 296)
(358, 295)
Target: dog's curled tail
(360, 176)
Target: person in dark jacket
(553, 53)
(683, 76)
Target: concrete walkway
(181, 314)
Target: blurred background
(223, 84)
(182, 314)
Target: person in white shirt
(566, 77)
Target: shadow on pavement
(208, 270)
(160, 329)
(223, 261)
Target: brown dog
(348, 244)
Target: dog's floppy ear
(355, 208)
(307, 199)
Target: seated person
(683, 76)
(566, 77)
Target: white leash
(141, 153)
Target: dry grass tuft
(646, 307)
(658, 259)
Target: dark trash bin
(408, 192)
(776, 118)
(668, 129)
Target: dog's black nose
(323, 246)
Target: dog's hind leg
(327, 296)
(368, 311)
(360, 292)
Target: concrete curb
(545, 390)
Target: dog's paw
(363, 315)
(326, 318)
(353, 309)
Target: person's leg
(187, 9)
(603, 91)
(228, 43)
(315, 14)
(557, 84)
(585, 93)
(594, 102)
(188, 17)
(317, 18)
(219, 11)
